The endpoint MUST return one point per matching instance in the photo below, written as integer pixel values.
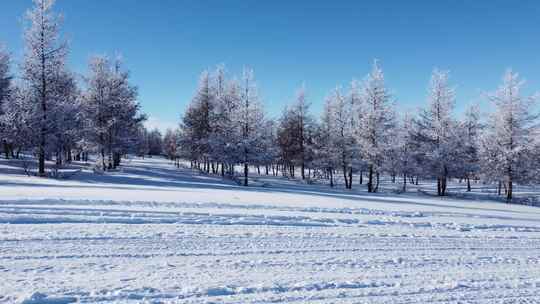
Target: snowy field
(152, 233)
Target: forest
(55, 115)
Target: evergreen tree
(376, 124)
(43, 67)
(508, 147)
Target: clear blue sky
(167, 43)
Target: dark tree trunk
(246, 173)
(510, 187)
(345, 177)
(104, 167)
(370, 179)
(69, 156)
(350, 177)
(404, 182)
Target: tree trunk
(510, 187)
(69, 156)
(6, 149)
(246, 173)
(345, 177)
(331, 178)
(404, 182)
(361, 177)
(350, 178)
(104, 167)
(468, 184)
(370, 179)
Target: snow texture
(151, 233)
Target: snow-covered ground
(152, 233)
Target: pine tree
(43, 63)
(509, 143)
(5, 94)
(5, 77)
(376, 124)
(111, 111)
(326, 154)
(250, 117)
(437, 129)
(469, 133)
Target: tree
(111, 111)
(225, 136)
(437, 129)
(251, 116)
(341, 127)
(301, 111)
(5, 95)
(155, 142)
(405, 149)
(326, 155)
(508, 145)
(170, 143)
(376, 124)
(5, 77)
(294, 134)
(470, 129)
(43, 64)
(66, 130)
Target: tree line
(360, 133)
(58, 115)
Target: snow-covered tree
(170, 143)
(67, 118)
(405, 149)
(325, 151)
(296, 126)
(437, 129)
(342, 129)
(43, 67)
(5, 94)
(301, 111)
(155, 142)
(15, 121)
(111, 111)
(225, 136)
(5, 77)
(251, 116)
(470, 129)
(508, 146)
(197, 123)
(376, 124)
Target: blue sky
(167, 43)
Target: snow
(152, 233)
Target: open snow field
(152, 233)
